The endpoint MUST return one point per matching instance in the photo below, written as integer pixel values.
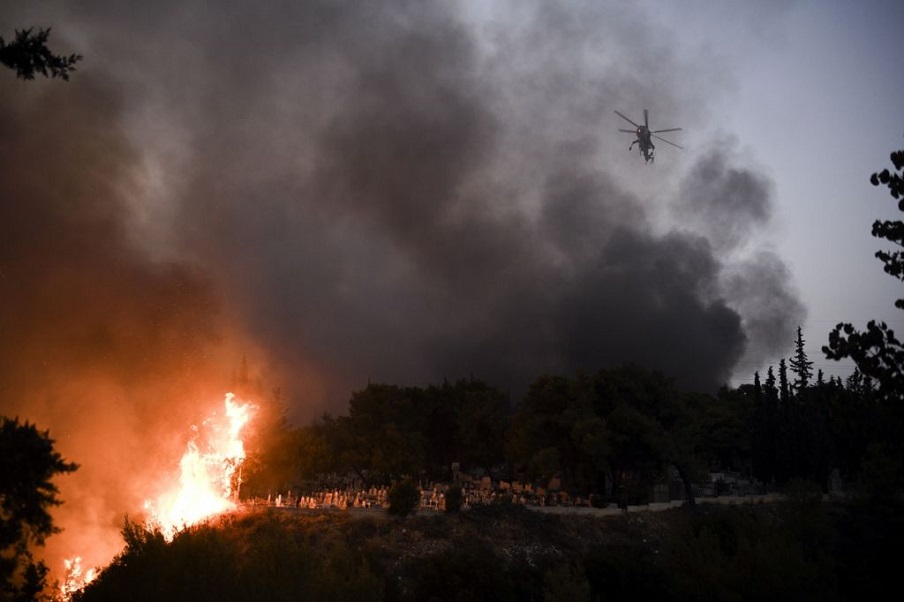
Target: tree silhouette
(893, 231)
(28, 55)
(800, 364)
(28, 462)
(765, 429)
(621, 427)
(784, 389)
(876, 351)
(770, 389)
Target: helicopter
(644, 136)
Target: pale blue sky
(815, 95)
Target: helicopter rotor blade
(627, 131)
(626, 119)
(667, 142)
(646, 119)
(668, 130)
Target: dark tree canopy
(28, 463)
(29, 55)
(620, 427)
(393, 431)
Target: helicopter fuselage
(644, 143)
(645, 136)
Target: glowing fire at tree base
(209, 473)
(76, 578)
(208, 485)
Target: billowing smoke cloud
(112, 353)
(352, 191)
(726, 202)
(758, 287)
(730, 204)
(450, 210)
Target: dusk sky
(349, 192)
(813, 99)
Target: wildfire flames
(208, 470)
(76, 578)
(208, 484)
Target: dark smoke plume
(348, 191)
(446, 211)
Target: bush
(566, 582)
(598, 501)
(404, 498)
(261, 556)
(626, 569)
(470, 570)
(453, 499)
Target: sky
(344, 192)
(815, 101)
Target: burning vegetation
(210, 472)
(207, 485)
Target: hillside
(792, 550)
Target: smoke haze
(344, 192)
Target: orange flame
(208, 469)
(76, 579)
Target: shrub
(404, 498)
(453, 499)
(566, 582)
(259, 557)
(469, 570)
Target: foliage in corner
(28, 463)
(877, 352)
(29, 55)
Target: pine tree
(784, 392)
(801, 364)
(770, 384)
(763, 432)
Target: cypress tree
(784, 392)
(770, 384)
(801, 365)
